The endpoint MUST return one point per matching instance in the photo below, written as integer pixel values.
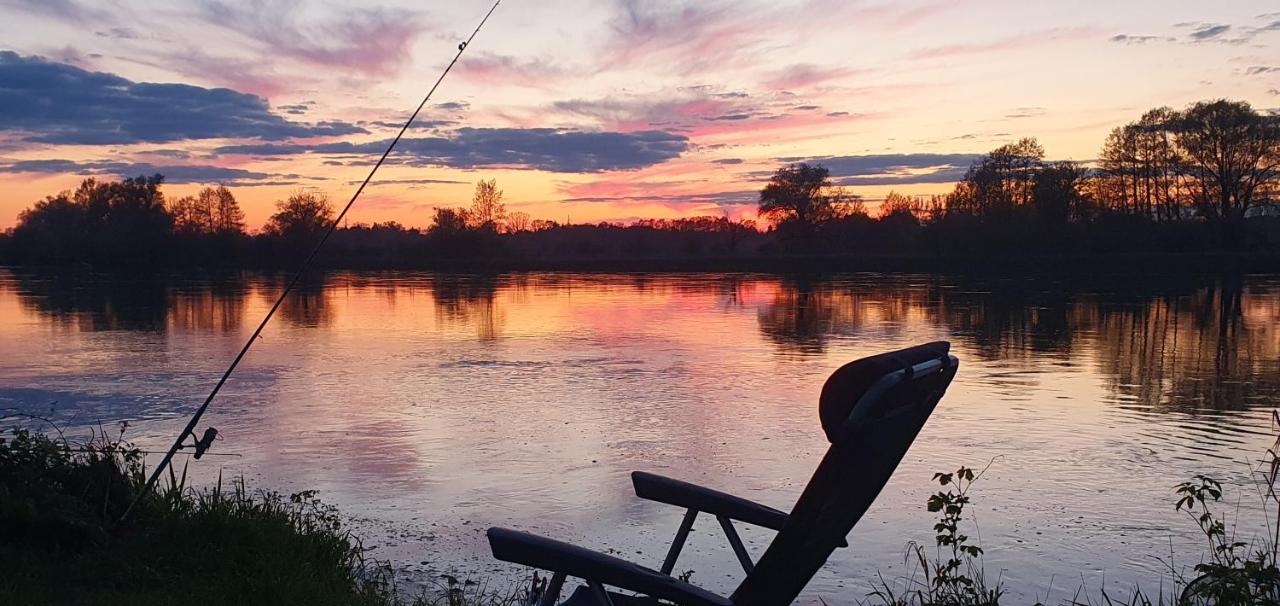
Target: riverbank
(62, 541)
(1221, 262)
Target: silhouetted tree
(1143, 164)
(213, 211)
(301, 217)
(517, 222)
(799, 198)
(902, 204)
(55, 227)
(449, 220)
(1232, 162)
(1057, 194)
(999, 182)
(487, 211)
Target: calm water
(430, 407)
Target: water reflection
(525, 399)
(1193, 345)
(91, 303)
(309, 304)
(471, 299)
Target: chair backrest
(871, 410)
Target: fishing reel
(203, 443)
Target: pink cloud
(373, 42)
(691, 38)
(807, 75)
(504, 70)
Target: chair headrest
(846, 385)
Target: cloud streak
(547, 149)
(174, 173)
(893, 169)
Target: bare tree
(487, 211)
(1232, 161)
(517, 221)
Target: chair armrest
(539, 552)
(683, 494)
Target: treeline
(1206, 178)
(1202, 179)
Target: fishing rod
(203, 443)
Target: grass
(61, 541)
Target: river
(428, 407)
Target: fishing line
(189, 430)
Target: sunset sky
(591, 109)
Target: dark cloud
(727, 117)
(893, 169)
(118, 33)
(417, 124)
(728, 161)
(1130, 39)
(1261, 69)
(177, 173)
(549, 149)
(296, 108)
(1209, 31)
(837, 114)
(50, 102)
(453, 106)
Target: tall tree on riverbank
(1232, 162)
(804, 195)
(487, 210)
(213, 211)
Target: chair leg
(602, 596)
(686, 525)
(553, 590)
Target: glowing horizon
(591, 111)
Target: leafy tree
(303, 216)
(804, 196)
(487, 210)
(449, 220)
(1057, 193)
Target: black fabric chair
(871, 411)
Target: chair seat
(583, 596)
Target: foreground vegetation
(63, 541)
